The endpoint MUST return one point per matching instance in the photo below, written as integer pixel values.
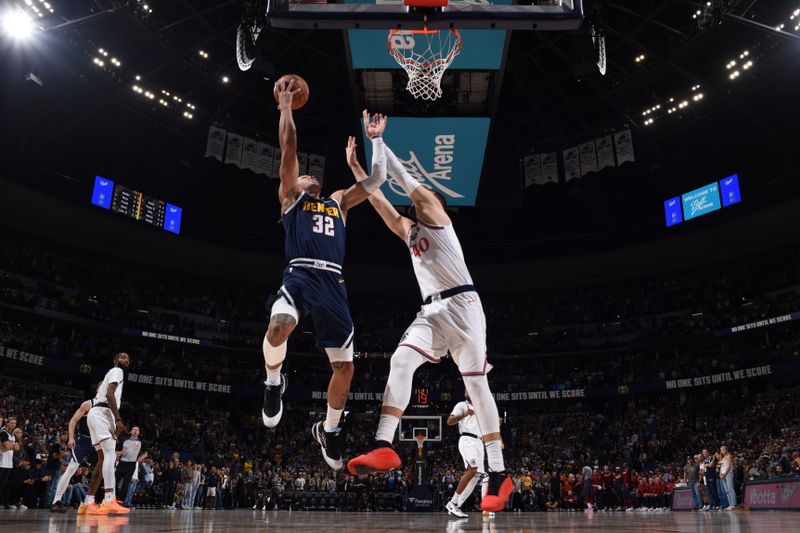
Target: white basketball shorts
(472, 452)
(456, 324)
(101, 425)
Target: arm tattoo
(338, 364)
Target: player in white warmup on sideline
(105, 423)
(470, 446)
(451, 319)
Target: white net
(424, 55)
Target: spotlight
(225, 79)
(17, 24)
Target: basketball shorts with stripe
(455, 324)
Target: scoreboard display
(135, 204)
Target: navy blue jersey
(314, 229)
(82, 427)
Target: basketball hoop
(420, 441)
(426, 62)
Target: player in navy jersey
(81, 453)
(312, 282)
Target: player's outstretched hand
(350, 151)
(286, 92)
(375, 126)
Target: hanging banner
(533, 170)
(316, 166)
(758, 324)
(605, 152)
(250, 154)
(571, 163)
(233, 153)
(264, 160)
(588, 158)
(302, 161)
(443, 154)
(276, 163)
(215, 146)
(549, 168)
(624, 144)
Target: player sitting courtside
(313, 283)
(451, 319)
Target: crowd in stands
(217, 458)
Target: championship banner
(443, 154)
(758, 324)
(588, 158)
(549, 168)
(533, 170)
(233, 152)
(276, 163)
(250, 154)
(605, 152)
(316, 166)
(264, 160)
(772, 495)
(624, 143)
(215, 146)
(571, 163)
(302, 162)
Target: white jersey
(437, 258)
(115, 375)
(7, 456)
(468, 424)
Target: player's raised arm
(287, 136)
(428, 208)
(365, 185)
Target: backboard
(410, 426)
(541, 15)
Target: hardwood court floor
(146, 521)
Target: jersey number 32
(323, 224)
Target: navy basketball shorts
(323, 295)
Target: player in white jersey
(105, 423)
(451, 319)
(470, 446)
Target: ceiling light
(225, 79)
(138, 78)
(17, 24)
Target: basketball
(301, 97)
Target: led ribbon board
(444, 154)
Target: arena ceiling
(77, 119)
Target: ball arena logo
(439, 178)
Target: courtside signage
(444, 154)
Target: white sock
(484, 486)
(89, 499)
(387, 427)
(332, 418)
(495, 456)
(273, 356)
(399, 172)
(109, 496)
(468, 490)
(456, 498)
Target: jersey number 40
(420, 247)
